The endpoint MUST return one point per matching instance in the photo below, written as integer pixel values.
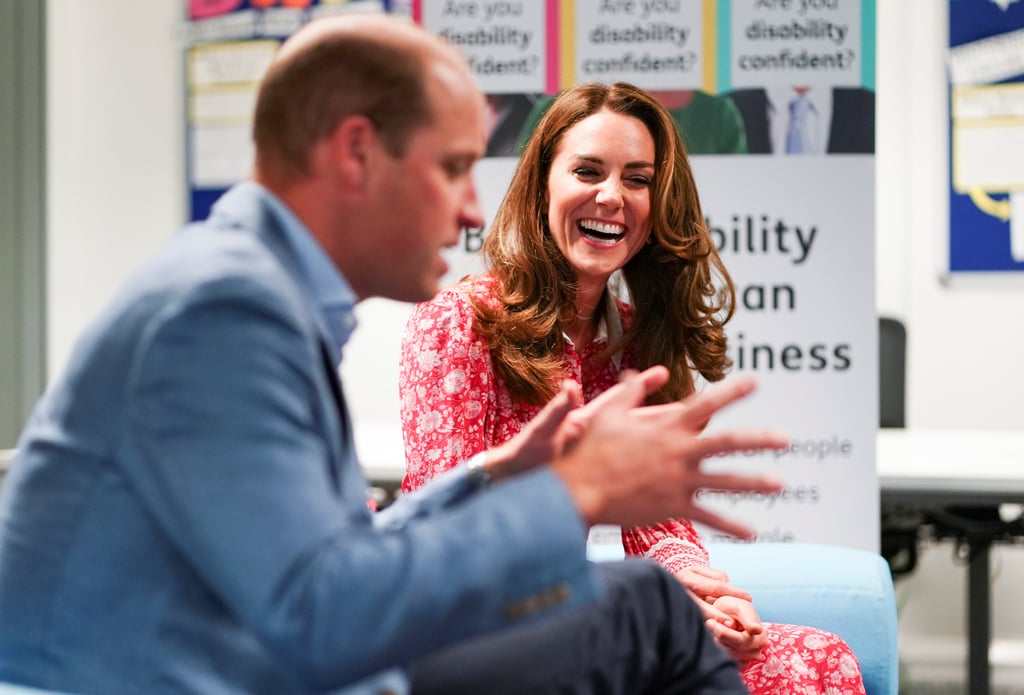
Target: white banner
(797, 235)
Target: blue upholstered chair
(842, 590)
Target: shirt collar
(331, 291)
(609, 329)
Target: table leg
(979, 617)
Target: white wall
(116, 190)
(966, 339)
(115, 165)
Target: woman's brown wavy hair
(680, 311)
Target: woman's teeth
(602, 232)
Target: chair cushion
(842, 590)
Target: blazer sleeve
(226, 450)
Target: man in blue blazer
(186, 512)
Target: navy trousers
(645, 635)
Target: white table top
(946, 463)
(952, 465)
(381, 450)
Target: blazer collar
(328, 295)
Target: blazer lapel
(243, 208)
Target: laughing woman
(603, 185)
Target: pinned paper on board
(222, 79)
(988, 153)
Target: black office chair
(969, 526)
(892, 372)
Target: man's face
(426, 196)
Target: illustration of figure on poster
(803, 120)
(507, 113)
(709, 124)
(801, 73)
(779, 120)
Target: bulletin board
(986, 76)
(229, 44)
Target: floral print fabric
(454, 405)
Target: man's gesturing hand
(558, 426)
(632, 465)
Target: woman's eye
(640, 181)
(584, 172)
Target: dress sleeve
(674, 544)
(444, 385)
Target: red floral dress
(454, 405)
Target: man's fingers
(650, 380)
(550, 418)
(653, 378)
(737, 481)
(702, 406)
(695, 412)
(656, 375)
(717, 521)
(731, 442)
(632, 389)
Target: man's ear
(354, 145)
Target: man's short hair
(306, 94)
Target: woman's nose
(609, 193)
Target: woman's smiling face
(599, 194)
